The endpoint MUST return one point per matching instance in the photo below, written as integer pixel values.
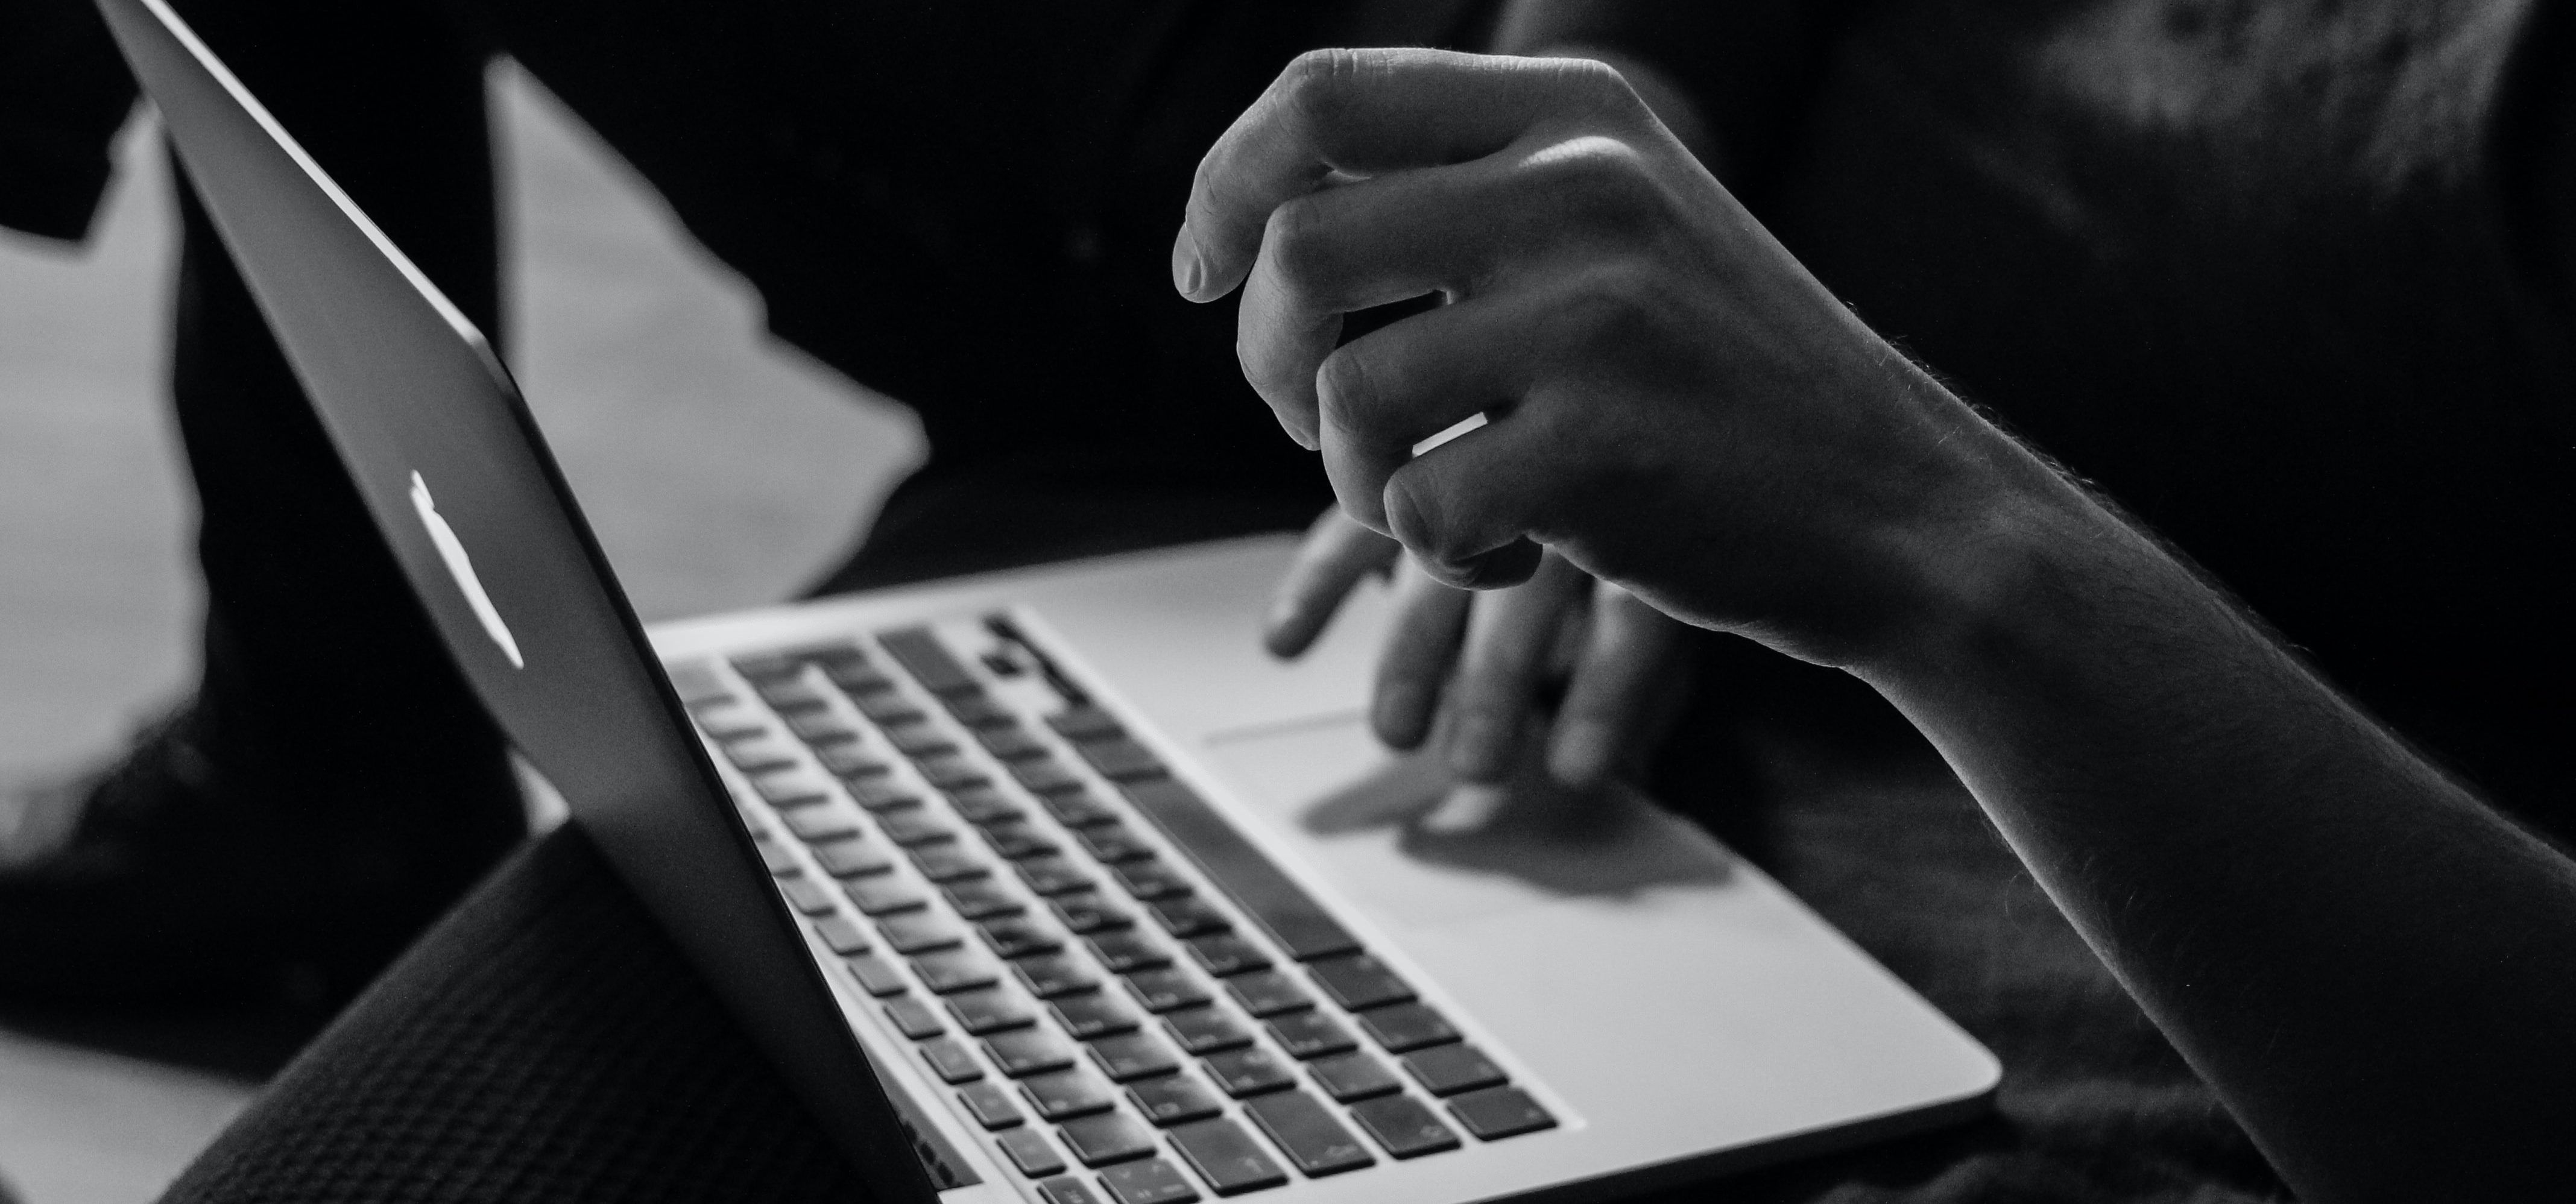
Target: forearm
(2371, 966)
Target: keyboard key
(976, 710)
(983, 806)
(818, 825)
(1243, 1072)
(1109, 1137)
(1018, 936)
(953, 970)
(886, 707)
(1052, 875)
(1016, 842)
(1166, 989)
(918, 740)
(763, 668)
(732, 723)
(1206, 1030)
(984, 1011)
(914, 1019)
(1077, 809)
(990, 1104)
(1359, 982)
(1120, 759)
(1273, 901)
(1122, 952)
(1450, 1069)
(1088, 912)
(850, 760)
(1314, 1139)
(852, 858)
(1226, 954)
(1152, 1181)
(1404, 1027)
(1050, 975)
(1129, 1056)
(1028, 1150)
(1089, 1016)
(1267, 993)
(1499, 1112)
(1041, 775)
(760, 753)
(774, 856)
(1113, 842)
(1352, 1076)
(857, 676)
(1187, 916)
(1009, 742)
(696, 683)
(1027, 1051)
(1310, 1034)
(981, 899)
(1068, 1190)
(951, 773)
(842, 934)
(883, 896)
(912, 827)
(879, 795)
(875, 975)
(1085, 723)
(950, 1061)
(947, 862)
(1226, 1156)
(1150, 879)
(1403, 1126)
(806, 895)
(821, 727)
(1174, 1099)
(920, 932)
(1067, 1093)
(790, 789)
(790, 695)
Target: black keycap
(1113, 842)
(947, 862)
(1450, 1069)
(1495, 1113)
(1010, 742)
(1359, 982)
(1041, 775)
(1403, 1126)
(1316, 1142)
(874, 975)
(857, 677)
(976, 710)
(914, 1018)
(989, 1011)
(1226, 1156)
(1067, 1093)
(1052, 875)
(1149, 879)
(1167, 989)
(1152, 1181)
(1109, 1137)
(1050, 975)
(1028, 1150)
(990, 1104)
(789, 789)
(880, 796)
(820, 727)
(919, 740)
(983, 806)
(1206, 1030)
(982, 899)
(886, 707)
(1016, 842)
(852, 858)
(842, 934)
(791, 695)
(928, 660)
(954, 970)
(1027, 1051)
(1067, 1190)
(1352, 1076)
(816, 825)
(1122, 952)
(1120, 759)
(1310, 1034)
(919, 932)
(1244, 1072)
(1267, 993)
(882, 896)
(1174, 1099)
(950, 1061)
(774, 856)
(1089, 1016)
(1226, 954)
(850, 760)
(1088, 912)
(1077, 809)
(951, 773)
(1274, 902)
(914, 827)
(1085, 723)
(1129, 1056)
(1403, 1027)
(1018, 936)
(806, 895)
(1185, 915)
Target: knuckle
(1315, 90)
(1346, 389)
(1600, 181)
(1298, 237)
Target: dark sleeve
(1749, 65)
(64, 91)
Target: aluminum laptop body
(1081, 791)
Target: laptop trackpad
(1375, 821)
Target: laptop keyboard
(992, 878)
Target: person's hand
(1674, 405)
(1476, 668)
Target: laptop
(1048, 885)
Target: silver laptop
(1049, 885)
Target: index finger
(1362, 112)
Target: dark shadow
(250, 1044)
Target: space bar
(1277, 904)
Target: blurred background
(719, 468)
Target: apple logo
(452, 550)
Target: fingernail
(1581, 753)
(1189, 270)
(1398, 716)
(1476, 748)
(1466, 809)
